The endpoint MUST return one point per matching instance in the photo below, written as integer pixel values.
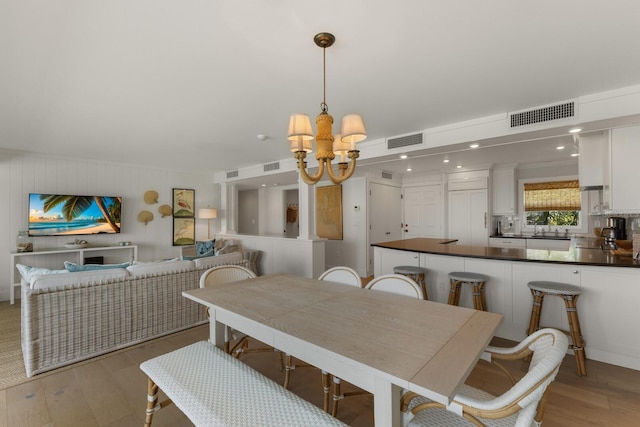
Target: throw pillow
(73, 267)
(205, 248)
(27, 272)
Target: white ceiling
(190, 84)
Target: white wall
(22, 173)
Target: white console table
(79, 254)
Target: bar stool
(570, 294)
(476, 280)
(418, 274)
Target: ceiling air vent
(387, 175)
(232, 174)
(404, 141)
(271, 166)
(544, 114)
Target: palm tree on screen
(73, 206)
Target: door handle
(485, 220)
(388, 232)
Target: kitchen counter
(582, 251)
(524, 236)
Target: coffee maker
(619, 226)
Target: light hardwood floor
(112, 392)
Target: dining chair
(522, 405)
(226, 274)
(339, 274)
(392, 283)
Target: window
(552, 203)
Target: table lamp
(208, 214)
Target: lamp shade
(299, 127)
(207, 213)
(353, 130)
(300, 144)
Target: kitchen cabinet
(503, 242)
(503, 192)
(594, 161)
(468, 217)
(625, 152)
(385, 259)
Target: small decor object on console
(24, 242)
(76, 244)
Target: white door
(458, 224)
(385, 215)
(479, 228)
(423, 211)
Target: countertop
(582, 251)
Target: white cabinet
(385, 259)
(468, 217)
(625, 153)
(594, 161)
(504, 192)
(503, 242)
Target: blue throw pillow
(205, 248)
(73, 267)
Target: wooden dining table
(378, 341)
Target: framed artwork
(329, 212)
(184, 231)
(183, 200)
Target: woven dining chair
(339, 274)
(226, 274)
(392, 283)
(522, 405)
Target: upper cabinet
(503, 186)
(625, 155)
(594, 161)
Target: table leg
(386, 403)
(216, 330)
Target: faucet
(556, 232)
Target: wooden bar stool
(418, 274)
(570, 294)
(475, 280)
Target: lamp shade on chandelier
(300, 134)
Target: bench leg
(152, 402)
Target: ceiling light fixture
(445, 161)
(403, 156)
(474, 145)
(408, 169)
(459, 166)
(300, 134)
(575, 130)
(575, 154)
(560, 147)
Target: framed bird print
(184, 231)
(183, 200)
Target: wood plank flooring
(111, 392)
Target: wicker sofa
(69, 317)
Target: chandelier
(344, 145)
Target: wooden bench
(213, 388)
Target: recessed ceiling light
(445, 161)
(403, 156)
(408, 169)
(262, 137)
(575, 154)
(264, 185)
(575, 130)
(560, 147)
(474, 145)
(459, 166)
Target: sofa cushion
(27, 272)
(214, 261)
(161, 267)
(68, 278)
(73, 267)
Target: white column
(229, 208)
(307, 211)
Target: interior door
(423, 211)
(458, 224)
(385, 215)
(479, 228)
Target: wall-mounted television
(62, 215)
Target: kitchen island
(608, 306)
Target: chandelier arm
(309, 179)
(344, 174)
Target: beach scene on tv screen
(59, 215)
